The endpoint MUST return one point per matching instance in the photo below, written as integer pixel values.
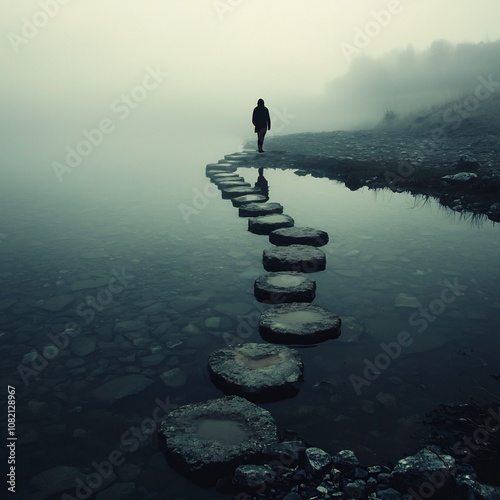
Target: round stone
(234, 192)
(239, 156)
(221, 167)
(298, 323)
(221, 177)
(268, 223)
(215, 173)
(259, 372)
(207, 441)
(298, 236)
(278, 288)
(248, 198)
(227, 184)
(258, 209)
(299, 258)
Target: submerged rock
(259, 209)
(278, 288)
(299, 258)
(208, 441)
(299, 236)
(55, 304)
(298, 323)
(57, 480)
(120, 388)
(259, 372)
(267, 223)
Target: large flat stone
(207, 441)
(298, 236)
(279, 288)
(298, 323)
(299, 258)
(258, 209)
(248, 198)
(258, 372)
(268, 223)
(234, 192)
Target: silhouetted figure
(262, 123)
(262, 183)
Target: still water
(155, 275)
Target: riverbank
(400, 161)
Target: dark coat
(261, 118)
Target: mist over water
(108, 116)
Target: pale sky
(65, 62)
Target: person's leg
(260, 139)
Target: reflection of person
(262, 183)
(262, 123)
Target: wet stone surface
(299, 236)
(221, 167)
(268, 223)
(259, 209)
(235, 192)
(248, 198)
(298, 323)
(281, 287)
(207, 441)
(259, 372)
(299, 258)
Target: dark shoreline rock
(395, 160)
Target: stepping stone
(221, 167)
(299, 258)
(298, 323)
(258, 372)
(247, 199)
(239, 156)
(258, 209)
(234, 192)
(207, 441)
(268, 223)
(299, 236)
(227, 184)
(278, 288)
(220, 176)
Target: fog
(146, 88)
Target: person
(262, 123)
(262, 183)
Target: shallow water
(178, 267)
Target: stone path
(259, 372)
